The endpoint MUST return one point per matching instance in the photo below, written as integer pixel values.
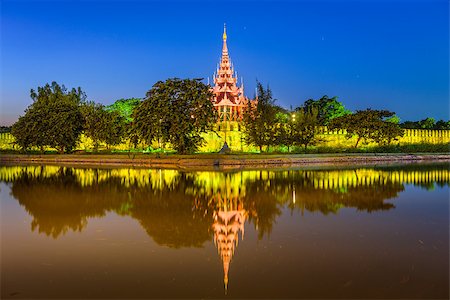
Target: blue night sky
(379, 54)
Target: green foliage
(260, 121)
(428, 123)
(175, 111)
(5, 129)
(368, 125)
(102, 125)
(125, 107)
(303, 127)
(442, 125)
(328, 109)
(54, 119)
(393, 119)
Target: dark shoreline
(225, 162)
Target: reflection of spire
(229, 220)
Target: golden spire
(224, 32)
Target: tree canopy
(260, 121)
(327, 109)
(175, 111)
(303, 127)
(102, 125)
(368, 125)
(125, 107)
(427, 123)
(54, 119)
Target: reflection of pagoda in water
(229, 218)
(176, 209)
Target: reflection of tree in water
(168, 215)
(299, 190)
(59, 203)
(181, 209)
(177, 209)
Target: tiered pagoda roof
(228, 97)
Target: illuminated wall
(231, 132)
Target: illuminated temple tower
(228, 98)
(229, 220)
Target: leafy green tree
(260, 121)
(54, 118)
(394, 119)
(387, 132)
(115, 133)
(176, 111)
(125, 107)
(102, 125)
(328, 109)
(410, 125)
(303, 128)
(282, 133)
(94, 122)
(23, 132)
(5, 129)
(427, 123)
(442, 125)
(368, 125)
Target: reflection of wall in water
(214, 181)
(176, 209)
(61, 198)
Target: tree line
(268, 125)
(176, 112)
(173, 112)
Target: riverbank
(218, 161)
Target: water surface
(140, 233)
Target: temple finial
(224, 31)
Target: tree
(427, 123)
(54, 118)
(23, 132)
(328, 109)
(368, 125)
(125, 107)
(117, 128)
(102, 125)
(303, 127)
(5, 129)
(393, 119)
(387, 132)
(260, 121)
(176, 111)
(410, 125)
(441, 124)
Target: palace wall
(327, 138)
(231, 131)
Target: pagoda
(228, 98)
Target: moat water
(373, 232)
